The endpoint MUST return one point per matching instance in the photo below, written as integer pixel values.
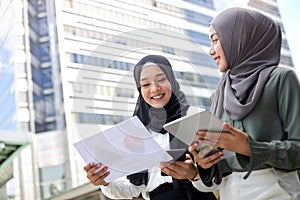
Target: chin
(222, 69)
(158, 105)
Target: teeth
(157, 97)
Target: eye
(214, 41)
(162, 80)
(145, 84)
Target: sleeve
(122, 189)
(204, 187)
(282, 154)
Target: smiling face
(155, 86)
(216, 50)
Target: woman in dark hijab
(260, 105)
(160, 101)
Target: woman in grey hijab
(260, 106)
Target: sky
(290, 13)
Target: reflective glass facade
(270, 8)
(41, 69)
(8, 108)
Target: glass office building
(14, 110)
(270, 8)
(31, 101)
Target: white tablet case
(185, 128)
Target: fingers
(179, 169)
(208, 138)
(176, 166)
(202, 148)
(192, 149)
(96, 173)
(209, 161)
(91, 168)
(203, 157)
(201, 134)
(227, 127)
(170, 165)
(88, 166)
(188, 157)
(204, 151)
(230, 129)
(99, 179)
(165, 167)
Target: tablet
(185, 128)
(177, 154)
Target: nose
(155, 87)
(211, 51)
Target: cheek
(219, 49)
(166, 86)
(144, 93)
(169, 96)
(168, 91)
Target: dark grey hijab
(251, 43)
(155, 118)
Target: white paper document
(125, 148)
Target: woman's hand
(180, 169)
(231, 139)
(96, 174)
(201, 157)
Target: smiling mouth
(157, 97)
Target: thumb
(188, 156)
(227, 127)
(192, 149)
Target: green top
(273, 127)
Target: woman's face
(216, 50)
(155, 86)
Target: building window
(205, 3)
(197, 18)
(43, 27)
(198, 37)
(52, 180)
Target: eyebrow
(157, 75)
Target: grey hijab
(251, 43)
